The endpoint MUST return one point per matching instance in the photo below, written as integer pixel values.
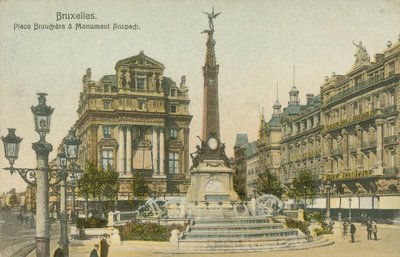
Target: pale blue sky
(257, 44)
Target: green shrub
(321, 231)
(314, 216)
(291, 223)
(92, 222)
(135, 230)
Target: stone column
(93, 143)
(42, 150)
(155, 153)
(329, 152)
(162, 152)
(359, 132)
(379, 142)
(186, 165)
(345, 149)
(129, 149)
(121, 150)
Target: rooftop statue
(211, 16)
(362, 56)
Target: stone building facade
(361, 124)
(137, 121)
(348, 135)
(301, 137)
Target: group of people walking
(371, 229)
(104, 247)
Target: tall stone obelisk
(211, 175)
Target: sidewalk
(387, 245)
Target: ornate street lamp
(38, 176)
(71, 146)
(11, 146)
(42, 116)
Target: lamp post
(305, 198)
(328, 201)
(350, 209)
(62, 161)
(71, 146)
(38, 176)
(73, 187)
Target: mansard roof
(241, 140)
(140, 61)
(112, 79)
(274, 122)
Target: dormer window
(173, 92)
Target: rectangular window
(173, 163)
(141, 105)
(140, 84)
(107, 158)
(173, 108)
(107, 131)
(107, 105)
(173, 133)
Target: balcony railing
(390, 140)
(177, 176)
(391, 171)
(336, 151)
(368, 145)
(389, 110)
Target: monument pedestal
(211, 186)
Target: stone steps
(240, 234)
(252, 246)
(238, 220)
(233, 227)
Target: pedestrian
(374, 229)
(104, 245)
(369, 229)
(345, 225)
(59, 251)
(352, 231)
(94, 253)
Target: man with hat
(104, 245)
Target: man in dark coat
(104, 246)
(369, 229)
(59, 251)
(93, 253)
(352, 232)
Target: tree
(110, 185)
(269, 183)
(13, 200)
(97, 183)
(139, 187)
(239, 184)
(303, 185)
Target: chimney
(310, 98)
